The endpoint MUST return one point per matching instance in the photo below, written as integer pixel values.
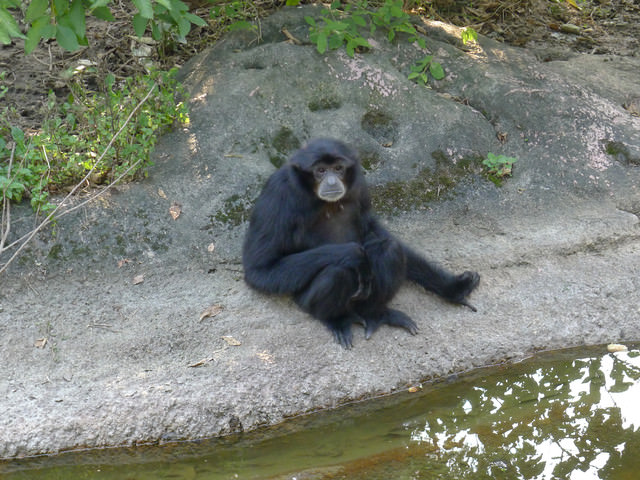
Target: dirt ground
(553, 27)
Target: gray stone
(557, 244)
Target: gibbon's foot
(464, 284)
(394, 318)
(342, 332)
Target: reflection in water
(579, 420)
(570, 415)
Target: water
(568, 415)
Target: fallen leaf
(574, 4)
(40, 343)
(138, 279)
(616, 347)
(212, 311)
(162, 194)
(211, 247)
(231, 341)
(265, 356)
(415, 388)
(123, 262)
(570, 28)
(175, 210)
(199, 363)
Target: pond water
(571, 415)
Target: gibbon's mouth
(332, 195)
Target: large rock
(557, 245)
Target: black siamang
(312, 235)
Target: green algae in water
(568, 415)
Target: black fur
(335, 258)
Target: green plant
(65, 20)
(496, 167)
(339, 27)
(392, 17)
(74, 136)
(169, 19)
(3, 88)
(234, 15)
(9, 28)
(22, 171)
(342, 24)
(469, 35)
(421, 67)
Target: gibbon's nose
(331, 180)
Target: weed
(427, 64)
(233, 15)
(342, 24)
(74, 136)
(469, 35)
(497, 167)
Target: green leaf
(351, 49)
(10, 3)
(166, 4)
(413, 75)
(176, 16)
(109, 81)
(40, 28)
(322, 42)
(310, 21)
(98, 4)
(103, 13)
(184, 26)
(144, 7)
(139, 24)
(18, 135)
(241, 25)
(406, 29)
(76, 17)
(337, 26)
(61, 7)
(359, 21)
(8, 27)
(360, 42)
(436, 70)
(178, 6)
(469, 35)
(156, 32)
(66, 38)
(36, 9)
(396, 11)
(335, 41)
(196, 20)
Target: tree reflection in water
(576, 420)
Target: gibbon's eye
(338, 168)
(321, 170)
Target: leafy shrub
(65, 20)
(421, 67)
(75, 136)
(341, 25)
(497, 167)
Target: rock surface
(557, 245)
